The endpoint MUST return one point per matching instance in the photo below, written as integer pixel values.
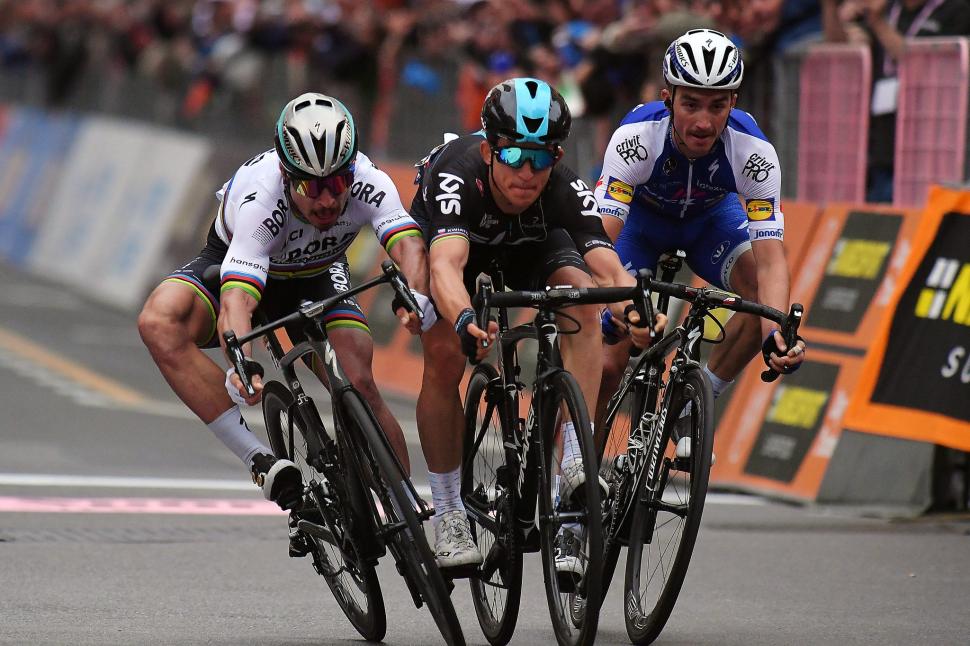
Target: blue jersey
(645, 173)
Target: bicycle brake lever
(789, 332)
(480, 303)
(238, 359)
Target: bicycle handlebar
(710, 298)
(246, 367)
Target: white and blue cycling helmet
(704, 59)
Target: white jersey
(644, 171)
(266, 239)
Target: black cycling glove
(770, 346)
(469, 344)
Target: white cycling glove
(232, 390)
(427, 309)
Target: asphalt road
(122, 521)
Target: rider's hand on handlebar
(473, 337)
(630, 324)
(410, 320)
(236, 390)
(779, 357)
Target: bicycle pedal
(460, 572)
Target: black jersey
(454, 200)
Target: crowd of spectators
(602, 54)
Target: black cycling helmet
(526, 110)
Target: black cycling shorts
(281, 297)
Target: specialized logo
(619, 191)
(631, 150)
(713, 169)
(946, 295)
(797, 406)
(757, 168)
(759, 210)
(450, 198)
(719, 251)
(365, 193)
(858, 258)
(249, 198)
(670, 165)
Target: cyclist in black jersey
(501, 195)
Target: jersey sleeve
(625, 165)
(579, 215)
(389, 219)
(449, 198)
(757, 175)
(256, 226)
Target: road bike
(512, 477)
(655, 451)
(358, 503)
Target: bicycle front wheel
(619, 452)
(337, 505)
(668, 510)
(417, 562)
(490, 494)
(570, 521)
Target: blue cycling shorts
(713, 240)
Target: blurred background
(119, 119)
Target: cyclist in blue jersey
(692, 172)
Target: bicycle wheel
(668, 512)
(619, 452)
(490, 497)
(398, 510)
(334, 503)
(570, 522)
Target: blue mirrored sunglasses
(516, 157)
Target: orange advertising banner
(850, 270)
(915, 382)
(778, 438)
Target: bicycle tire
(487, 487)
(572, 627)
(352, 580)
(398, 509)
(660, 533)
(621, 436)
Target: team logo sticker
(760, 210)
(619, 191)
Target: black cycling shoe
(280, 480)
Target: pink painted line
(192, 506)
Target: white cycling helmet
(705, 59)
(315, 136)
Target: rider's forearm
(235, 313)
(773, 290)
(448, 291)
(411, 255)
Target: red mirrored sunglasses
(314, 187)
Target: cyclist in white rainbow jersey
(285, 221)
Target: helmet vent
(533, 89)
(294, 137)
(324, 103)
(531, 124)
(299, 106)
(338, 137)
(690, 55)
(709, 55)
(725, 60)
